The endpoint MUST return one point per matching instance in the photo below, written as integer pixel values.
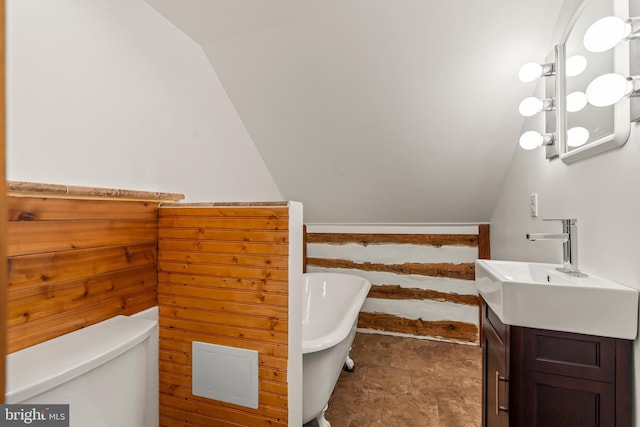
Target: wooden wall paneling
(43, 208)
(73, 263)
(35, 237)
(423, 282)
(223, 279)
(3, 207)
(484, 241)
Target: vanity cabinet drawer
(568, 354)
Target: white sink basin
(536, 295)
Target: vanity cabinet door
(495, 386)
(558, 401)
(575, 380)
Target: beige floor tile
(403, 410)
(401, 382)
(453, 413)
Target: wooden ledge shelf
(223, 204)
(34, 189)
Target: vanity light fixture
(532, 71)
(576, 101)
(531, 140)
(610, 88)
(531, 106)
(607, 32)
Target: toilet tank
(100, 371)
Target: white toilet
(101, 371)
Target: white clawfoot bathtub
(330, 311)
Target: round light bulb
(577, 136)
(576, 101)
(605, 33)
(608, 89)
(575, 65)
(530, 106)
(529, 72)
(530, 140)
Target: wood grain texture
(56, 267)
(365, 239)
(465, 271)
(36, 237)
(41, 209)
(484, 241)
(399, 292)
(72, 264)
(223, 279)
(214, 246)
(19, 188)
(35, 302)
(484, 252)
(453, 331)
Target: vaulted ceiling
(377, 111)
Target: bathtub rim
(342, 331)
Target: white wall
(601, 192)
(108, 93)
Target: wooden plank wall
(223, 279)
(76, 262)
(423, 278)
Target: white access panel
(224, 373)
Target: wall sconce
(601, 36)
(531, 140)
(531, 106)
(607, 32)
(610, 88)
(546, 104)
(532, 71)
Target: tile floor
(405, 382)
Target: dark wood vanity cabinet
(533, 377)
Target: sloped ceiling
(377, 111)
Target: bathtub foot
(350, 366)
(322, 421)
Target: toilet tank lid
(39, 368)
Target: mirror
(608, 127)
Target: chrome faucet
(569, 237)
